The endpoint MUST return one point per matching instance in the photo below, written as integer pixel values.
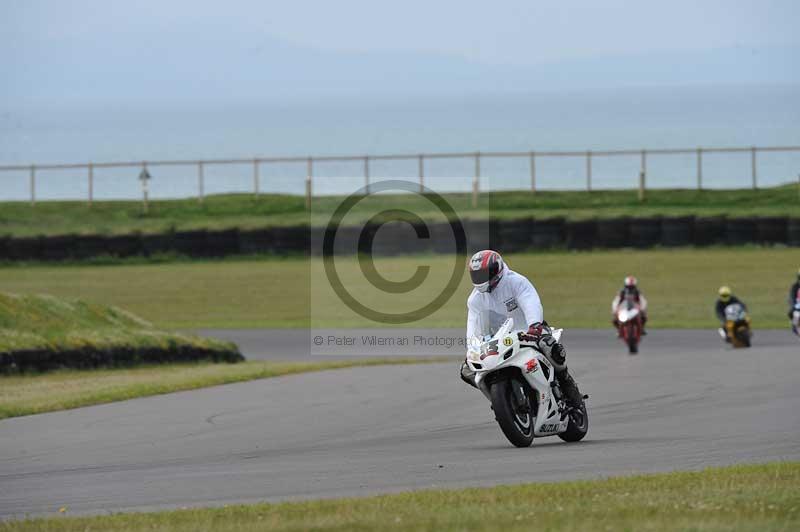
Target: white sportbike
(520, 382)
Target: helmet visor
(480, 276)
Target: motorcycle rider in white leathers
(500, 293)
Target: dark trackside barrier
(397, 238)
(581, 234)
(158, 243)
(793, 232)
(740, 231)
(479, 235)
(255, 241)
(89, 246)
(222, 243)
(292, 239)
(91, 357)
(27, 248)
(548, 233)
(613, 233)
(677, 231)
(56, 248)
(191, 243)
(709, 231)
(645, 232)
(772, 230)
(516, 236)
(124, 245)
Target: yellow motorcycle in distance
(737, 326)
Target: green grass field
(576, 287)
(749, 497)
(24, 395)
(246, 211)
(68, 330)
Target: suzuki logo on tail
(531, 366)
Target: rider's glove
(535, 332)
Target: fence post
(366, 174)
(144, 179)
(642, 185)
(33, 184)
(421, 162)
(753, 167)
(699, 168)
(91, 183)
(309, 176)
(200, 182)
(256, 179)
(589, 170)
(476, 179)
(533, 172)
(643, 176)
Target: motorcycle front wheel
(743, 335)
(512, 414)
(632, 339)
(578, 425)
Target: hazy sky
(54, 52)
(498, 32)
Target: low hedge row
(397, 238)
(91, 357)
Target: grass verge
(34, 394)
(576, 287)
(43, 332)
(749, 497)
(244, 211)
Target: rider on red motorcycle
(630, 290)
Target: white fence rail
(531, 157)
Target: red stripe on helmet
(485, 261)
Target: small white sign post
(144, 177)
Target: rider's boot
(569, 388)
(467, 375)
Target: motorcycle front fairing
(503, 350)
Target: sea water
(634, 118)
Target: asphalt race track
(685, 402)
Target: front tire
(578, 425)
(632, 340)
(515, 419)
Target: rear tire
(515, 424)
(578, 425)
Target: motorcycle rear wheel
(515, 420)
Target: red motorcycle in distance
(629, 324)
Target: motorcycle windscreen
(489, 322)
(735, 312)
